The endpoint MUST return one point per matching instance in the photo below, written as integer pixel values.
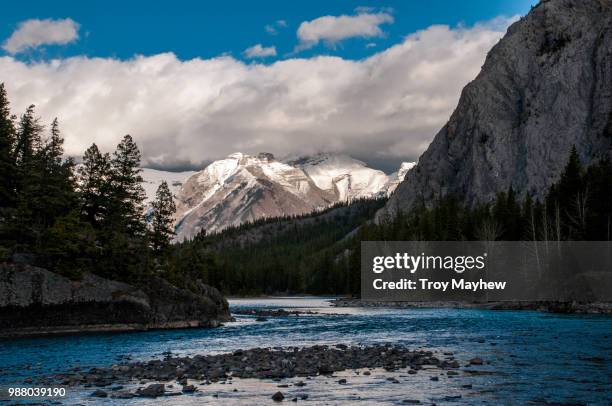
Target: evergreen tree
(28, 137)
(94, 185)
(121, 232)
(161, 218)
(7, 159)
(568, 197)
(54, 148)
(57, 190)
(26, 226)
(570, 183)
(127, 193)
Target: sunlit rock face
(545, 87)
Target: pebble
(189, 389)
(152, 391)
(99, 393)
(476, 361)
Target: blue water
(530, 356)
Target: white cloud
(270, 29)
(273, 29)
(259, 51)
(34, 33)
(333, 29)
(385, 108)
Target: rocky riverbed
(183, 375)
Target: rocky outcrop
(546, 86)
(34, 301)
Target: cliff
(546, 86)
(34, 301)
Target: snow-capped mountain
(152, 178)
(344, 177)
(243, 188)
(397, 177)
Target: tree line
(76, 218)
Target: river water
(530, 357)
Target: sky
(194, 81)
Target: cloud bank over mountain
(385, 108)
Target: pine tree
(25, 224)
(56, 191)
(28, 137)
(570, 183)
(566, 195)
(127, 193)
(163, 209)
(94, 185)
(54, 148)
(7, 159)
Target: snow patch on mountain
(398, 177)
(152, 178)
(344, 177)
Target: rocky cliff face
(547, 85)
(34, 301)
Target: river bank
(602, 308)
(37, 302)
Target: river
(530, 357)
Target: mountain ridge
(243, 188)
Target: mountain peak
(242, 188)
